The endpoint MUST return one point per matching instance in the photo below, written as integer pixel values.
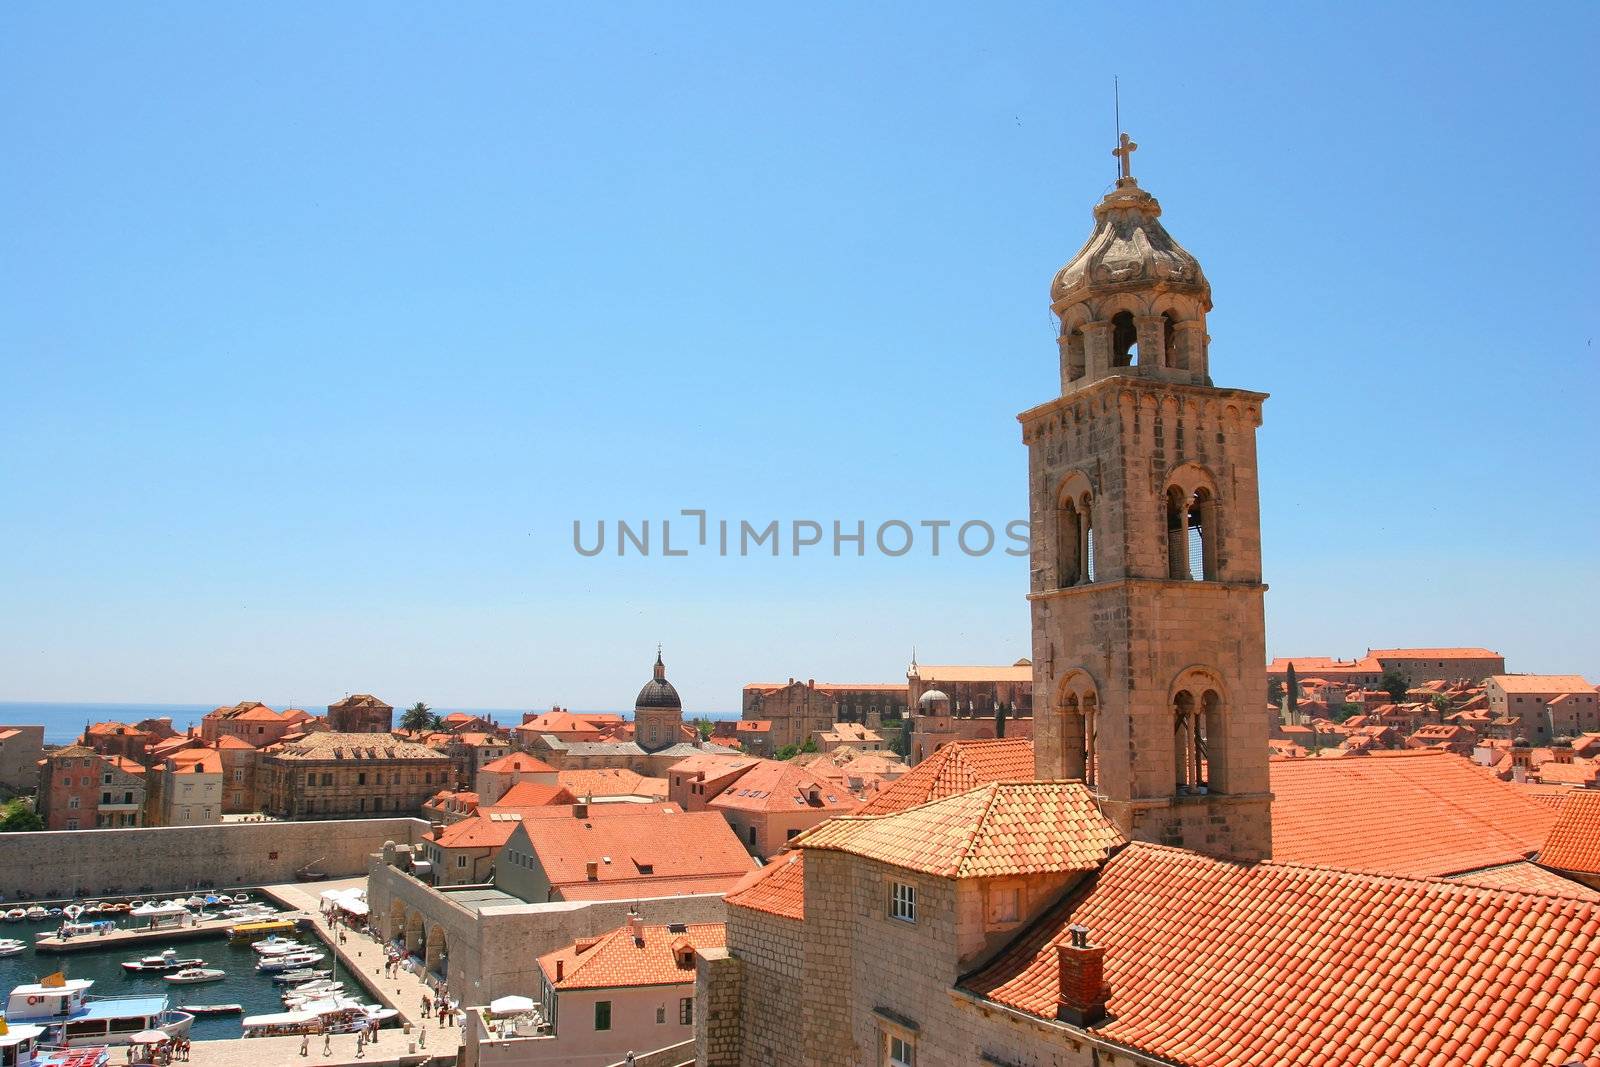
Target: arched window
(1124, 340)
(1074, 533)
(1068, 526)
(1202, 536)
(1080, 709)
(1088, 539)
(1188, 745)
(1191, 525)
(1177, 542)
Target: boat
(193, 975)
(10, 946)
(280, 1024)
(23, 1045)
(258, 928)
(167, 961)
(63, 1006)
(137, 904)
(275, 944)
(284, 948)
(298, 976)
(36, 914)
(54, 913)
(212, 1009)
(78, 929)
(194, 902)
(288, 963)
(156, 914)
(336, 1015)
(72, 911)
(15, 915)
(241, 898)
(223, 898)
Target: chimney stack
(636, 927)
(561, 970)
(580, 810)
(1082, 992)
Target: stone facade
(21, 749)
(1148, 625)
(79, 789)
(335, 775)
(799, 709)
(361, 713)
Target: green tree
(1441, 704)
(787, 752)
(1394, 683)
(810, 745)
(1293, 693)
(1275, 692)
(417, 717)
(17, 817)
(706, 727)
(1000, 720)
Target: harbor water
(244, 985)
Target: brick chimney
(636, 927)
(1082, 991)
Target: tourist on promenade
(305, 1044)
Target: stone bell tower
(1148, 636)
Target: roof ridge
(977, 828)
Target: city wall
(52, 865)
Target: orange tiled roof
(1218, 964)
(1539, 684)
(1574, 841)
(1433, 653)
(1420, 813)
(125, 765)
(1021, 671)
(779, 888)
(634, 856)
(998, 829)
(518, 761)
(714, 765)
(777, 786)
(611, 782)
(956, 768)
(230, 741)
(1527, 877)
(536, 794)
(661, 955)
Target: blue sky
(320, 325)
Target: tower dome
(1132, 301)
(658, 692)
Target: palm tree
(417, 717)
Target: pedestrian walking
(327, 1043)
(305, 1044)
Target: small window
(602, 1015)
(1005, 905)
(901, 1052)
(461, 861)
(751, 834)
(903, 902)
(686, 1011)
(72, 802)
(661, 1014)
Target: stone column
(1190, 340)
(718, 994)
(1097, 349)
(1152, 335)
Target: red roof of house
(1527, 877)
(776, 786)
(1218, 964)
(650, 854)
(534, 795)
(611, 782)
(518, 761)
(230, 741)
(956, 768)
(1421, 813)
(1574, 841)
(779, 888)
(1540, 684)
(1433, 653)
(1004, 828)
(660, 955)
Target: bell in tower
(1145, 578)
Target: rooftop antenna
(1125, 144)
(1116, 109)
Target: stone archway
(438, 951)
(414, 933)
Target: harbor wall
(53, 865)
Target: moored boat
(193, 975)
(10, 946)
(295, 977)
(166, 961)
(64, 1008)
(72, 911)
(15, 915)
(36, 913)
(275, 944)
(289, 962)
(212, 1009)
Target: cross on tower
(1124, 153)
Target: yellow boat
(251, 931)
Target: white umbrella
(150, 1037)
(507, 1005)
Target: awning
(353, 906)
(508, 1005)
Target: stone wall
(51, 865)
(718, 989)
(771, 950)
(19, 757)
(490, 950)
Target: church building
(1123, 908)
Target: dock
(205, 928)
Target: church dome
(658, 692)
(932, 697)
(1129, 250)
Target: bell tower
(1149, 649)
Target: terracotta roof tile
(772, 785)
(1539, 684)
(535, 794)
(1527, 877)
(518, 761)
(1021, 671)
(638, 856)
(1574, 841)
(779, 888)
(1421, 813)
(611, 782)
(1218, 964)
(956, 768)
(1003, 828)
(661, 955)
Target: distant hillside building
(1532, 706)
(329, 775)
(1415, 665)
(21, 748)
(253, 722)
(798, 709)
(963, 703)
(79, 789)
(361, 713)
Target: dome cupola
(1133, 300)
(658, 692)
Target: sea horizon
(64, 721)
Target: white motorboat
(241, 898)
(10, 946)
(72, 911)
(193, 975)
(64, 1008)
(298, 976)
(277, 946)
(288, 962)
(223, 898)
(212, 1009)
(167, 961)
(36, 914)
(15, 915)
(194, 902)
